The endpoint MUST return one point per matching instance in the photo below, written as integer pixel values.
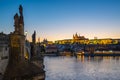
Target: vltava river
(82, 68)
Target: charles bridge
(23, 64)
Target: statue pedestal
(25, 70)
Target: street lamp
(26, 35)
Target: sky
(60, 19)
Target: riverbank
(85, 54)
(100, 54)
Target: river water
(82, 68)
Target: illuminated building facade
(82, 40)
(45, 42)
(76, 39)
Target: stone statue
(21, 15)
(34, 37)
(16, 22)
(19, 22)
(20, 10)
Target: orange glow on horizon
(53, 38)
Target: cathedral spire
(79, 36)
(76, 35)
(73, 36)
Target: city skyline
(60, 19)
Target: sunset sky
(60, 19)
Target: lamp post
(26, 35)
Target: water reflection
(82, 68)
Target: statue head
(20, 9)
(16, 16)
(34, 37)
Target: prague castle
(82, 40)
(76, 39)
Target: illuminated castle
(82, 40)
(76, 37)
